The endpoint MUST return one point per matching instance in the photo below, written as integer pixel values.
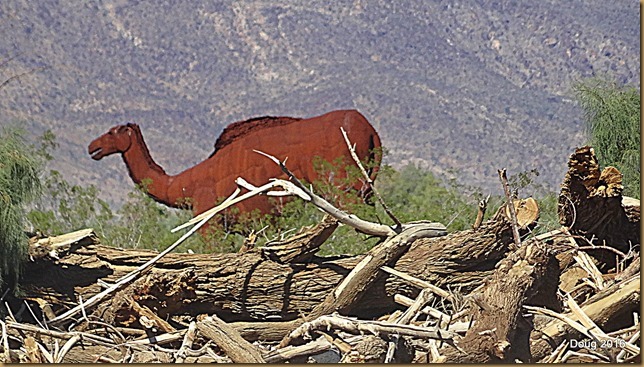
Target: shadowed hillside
(462, 88)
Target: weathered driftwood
(605, 309)
(188, 341)
(359, 327)
(591, 204)
(51, 247)
(497, 307)
(290, 352)
(343, 298)
(226, 338)
(405, 318)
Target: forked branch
(351, 220)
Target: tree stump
(591, 205)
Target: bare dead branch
(99, 340)
(367, 227)
(229, 340)
(586, 263)
(368, 179)
(419, 283)
(319, 345)
(513, 214)
(410, 314)
(335, 321)
(482, 207)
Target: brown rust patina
(301, 140)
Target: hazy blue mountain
(456, 86)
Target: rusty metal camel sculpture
(301, 140)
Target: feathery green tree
(613, 121)
(19, 184)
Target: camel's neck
(143, 170)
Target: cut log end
(527, 212)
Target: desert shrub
(65, 208)
(143, 223)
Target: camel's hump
(233, 131)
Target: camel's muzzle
(96, 153)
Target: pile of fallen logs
(493, 293)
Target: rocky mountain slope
(462, 88)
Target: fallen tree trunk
(250, 287)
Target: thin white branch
(128, 278)
(419, 283)
(351, 220)
(352, 150)
(248, 186)
(66, 348)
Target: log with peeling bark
(591, 204)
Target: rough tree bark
(591, 203)
(249, 286)
(499, 333)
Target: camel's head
(117, 140)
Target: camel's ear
(131, 126)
